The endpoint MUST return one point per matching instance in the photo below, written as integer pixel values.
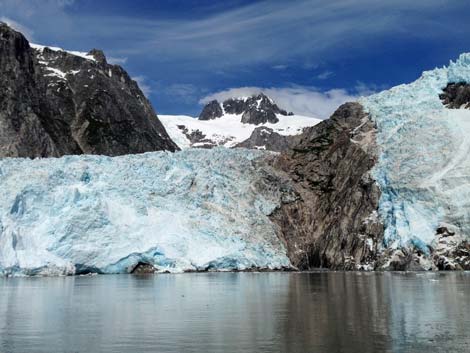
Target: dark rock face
(255, 116)
(257, 109)
(197, 138)
(451, 250)
(211, 111)
(53, 103)
(265, 138)
(456, 95)
(256, 102)
(328, 217)
(143, 268)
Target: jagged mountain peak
(98, 54)
(255, 109)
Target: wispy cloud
(144, 86)
(280, 67)
(324, 75)
(243, 35)
(302, 100)
(185, 92)
(366, 89)
(18, 27)
(116, 61)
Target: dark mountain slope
(54, 103)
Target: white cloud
(143, 85)
(364, 89)
(116, 60)
(324, 75)
(280, 67)
(184, 92)
(301, 100)
(27, 32)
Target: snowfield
(191, 210)
(228, 130)
(424, 166)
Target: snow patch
(41, 48)
(56, 73)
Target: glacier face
(423, 170)
(191, 210)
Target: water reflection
(237, 312)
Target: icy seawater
(237, 312)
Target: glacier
(184, 211)
(423, 169)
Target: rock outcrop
(197, 138)
(265, 138)
(142, 268)
(211, 111)
(55, 103)
(332, 220)
(456, 95)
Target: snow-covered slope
(191, 210)
(81, 54)
(424, 165)
(228, 130)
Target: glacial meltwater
(237, 312)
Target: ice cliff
(192, 210)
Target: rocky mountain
(332, 222)
(238, 122)
(54, 102)
(266, 138)
(211, 110)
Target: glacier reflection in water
(237, 312)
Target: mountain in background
(251, 122)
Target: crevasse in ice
(191, 210)
(424, 163)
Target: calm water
(237, 312)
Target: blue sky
(310, 55)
